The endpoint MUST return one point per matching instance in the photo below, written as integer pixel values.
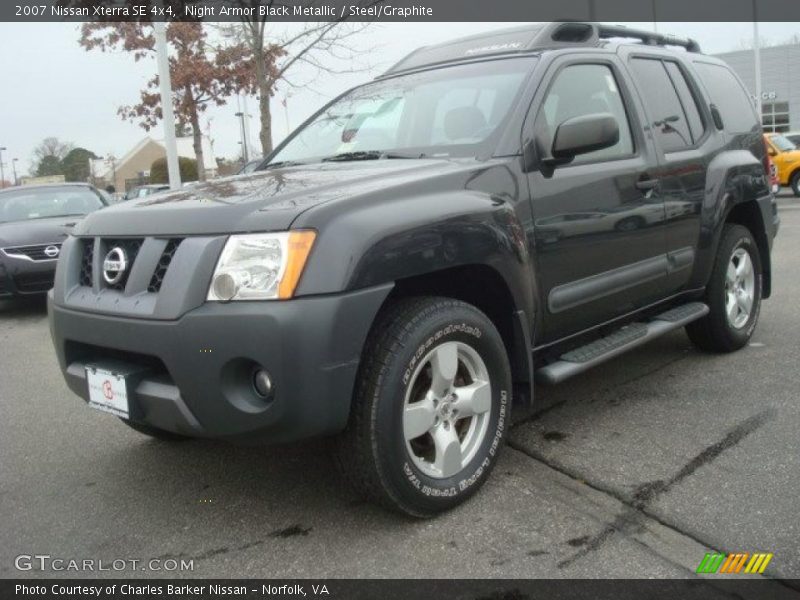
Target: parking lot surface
(635, 469)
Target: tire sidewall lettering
(481, 464)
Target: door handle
(646, 185)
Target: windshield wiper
(281, 163)
(369, 155)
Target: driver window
(580, 90)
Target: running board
(624, 339)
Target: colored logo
(735, 562)
(108, 391)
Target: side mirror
(584, 134)
(772, 152)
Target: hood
(262, 201)
(36, 231)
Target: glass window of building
(775, 116)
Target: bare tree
(202, 74)
(52, 149)
(326, 48)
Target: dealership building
(780, 83)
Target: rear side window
(688, 100)
(730, 98)
(669, 121)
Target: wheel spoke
(444, 366)
(418, 418)
(448, 450)
(733, 308)
(473, 399)
(745, 266)
(730, 274)
(745, 302)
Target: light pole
(2, 173)
(112, 159)
(165, 85)
(14, 162)
(245, 156)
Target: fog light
(262, 383)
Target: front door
(598, 221)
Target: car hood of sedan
(36, 231)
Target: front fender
(368, 243)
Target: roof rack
(647, 37)
(528, 38)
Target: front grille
(87, 256)
(163, 264)
(37, 253)
(131, 248)
(34, 282)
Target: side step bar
(628, 337)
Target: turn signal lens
(299, 247)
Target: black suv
(492, 211)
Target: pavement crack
(636, 507)
(651, 490)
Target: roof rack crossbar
(647, 37)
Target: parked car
(34, 222)
(142, 191)
(793, 136)
(786, 157)
(380, 279)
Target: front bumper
(198, 369)
(19, 277)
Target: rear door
(681, 131)
(598, 221)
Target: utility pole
(14, 167)
(245, 157)
(113, 162)
(165, 83)
(247, 116)
(757, 58)
(655, 18)
(2, 173)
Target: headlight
(261, 266)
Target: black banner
(388, 589)
(399, 10)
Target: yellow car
(786, 157)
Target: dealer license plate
(108, 391)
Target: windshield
(44, 202)
(450, 111)
(782, 143)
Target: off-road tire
(714, 332)
(794, 183)
(372, 452)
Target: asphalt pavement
(635, 469)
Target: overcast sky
(52, 87)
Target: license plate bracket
(111, 385)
